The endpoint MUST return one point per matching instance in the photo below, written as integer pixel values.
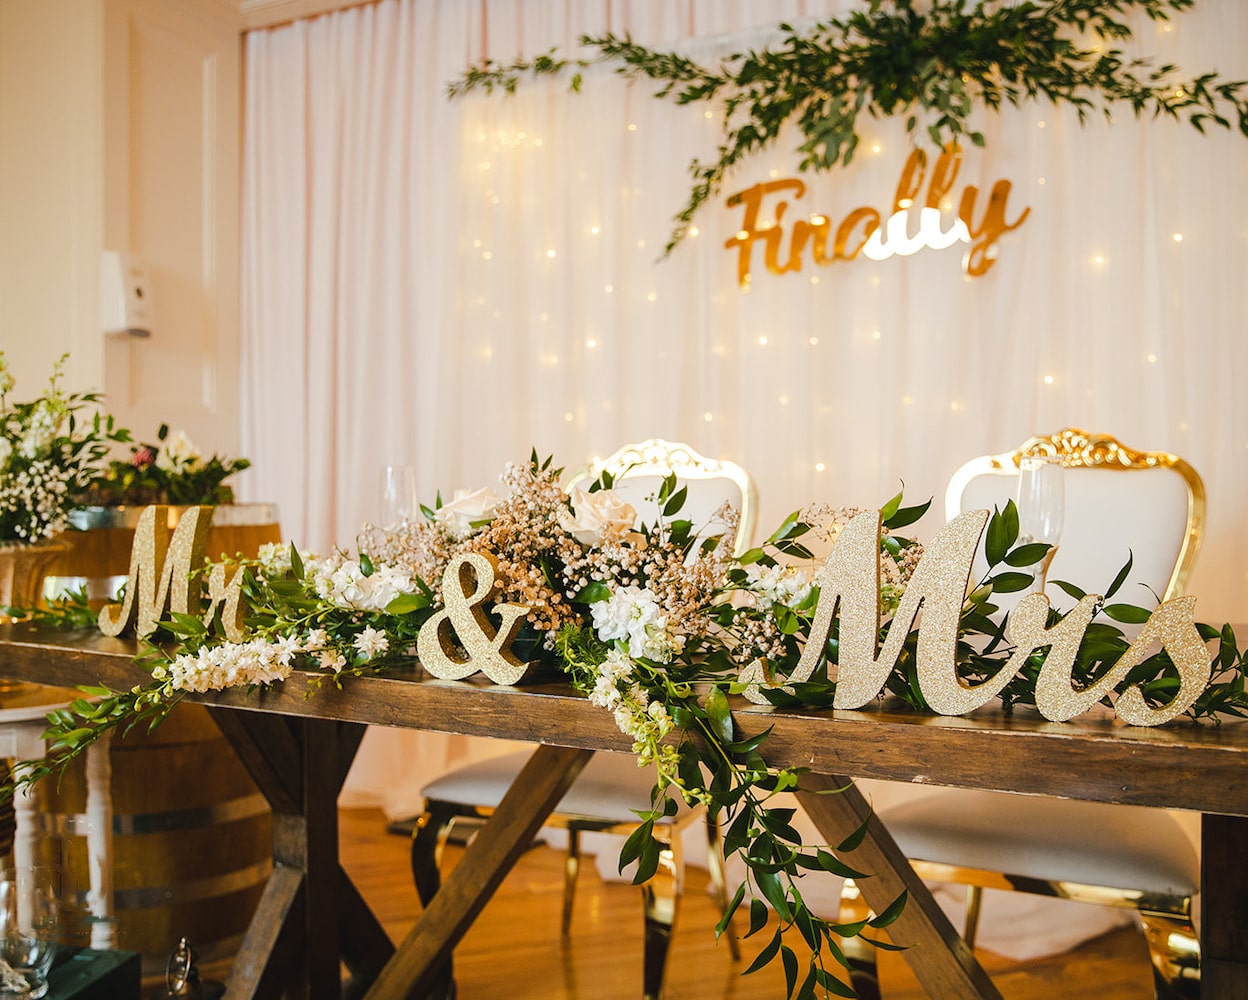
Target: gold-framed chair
(1113, 855)
(606, 795)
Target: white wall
(119, 130)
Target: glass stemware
(1041, 509)
(29, 927)
(399, 502)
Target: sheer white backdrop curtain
(450, 284)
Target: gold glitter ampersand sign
(477, 644)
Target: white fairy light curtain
(449, 284)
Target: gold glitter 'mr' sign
(460, 639)
(849, 582)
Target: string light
(591, 343)
(1177, 237)
(609, 289)
(762, 341)
(652, 297)
(783, 400)
(568, 416)
(875, 334)
(819, 466)
(956, 405)
(595, 230)
(550, 254)
(1048, 380)
(487, 256)
(814, 341)
(1040, 124)
(708, 416)
(632, 126)
(1151, 359)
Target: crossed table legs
(312, 917)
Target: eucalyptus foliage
(930, 61)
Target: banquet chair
(1152, 503)
(611, 788)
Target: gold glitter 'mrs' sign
(849, 589)
(460, 639)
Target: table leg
(1224, 907)
(548, 774)
(100, 843)
(311, 917)
(943, 963)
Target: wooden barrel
(192, 835)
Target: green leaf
(1128, 614)
(296, 564)
(1010, 583)
(676, 502)
(405, 604)
(724, 920)
(766, 955)
(593, 592)
(717, 712)
(1070, 589)
(852, 842)
(997, 540)
(1121, 578)
(890, 508)
(1027, 555)
(758, 914)
(772, 888)
(366, 565)
(906, 516)
(891, 912)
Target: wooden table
(299, 749)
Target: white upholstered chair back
(639, 469)
(1118, 501)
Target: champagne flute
(1041, 509)
(398, 495)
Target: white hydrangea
(632, 614)
(776, 585)
(342, 582)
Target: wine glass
(1041, 509)
(398, 494)
(29, 928)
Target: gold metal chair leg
(428, 842)
(571, 867)
(661, 896)
(1174, 948)
(719, 880)
(970, 928)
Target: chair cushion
(1123, 847)
(609, 788)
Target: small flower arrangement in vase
(51, 449)
(172, 471)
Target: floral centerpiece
(51, 447)
(171, 471)
(49, 454)
(657, 623)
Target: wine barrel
(192, 835)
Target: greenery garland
(932, 62)
(666, 673)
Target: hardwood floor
(514, 949)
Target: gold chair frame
(1077, 449)
(661, 894)
(1173, 944)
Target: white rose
(594, 515)
(178, 454)
(465, 508)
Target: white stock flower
(342, 582)
(332, 660)
(315, 639)
(371, 641)
(178, 453)
(633, 614)
(275, 559)
(776, 585)
(231, 664)
(595, 515)
(465, 508)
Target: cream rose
(466, 509)
(594, 515)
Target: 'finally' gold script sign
(913, 224)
